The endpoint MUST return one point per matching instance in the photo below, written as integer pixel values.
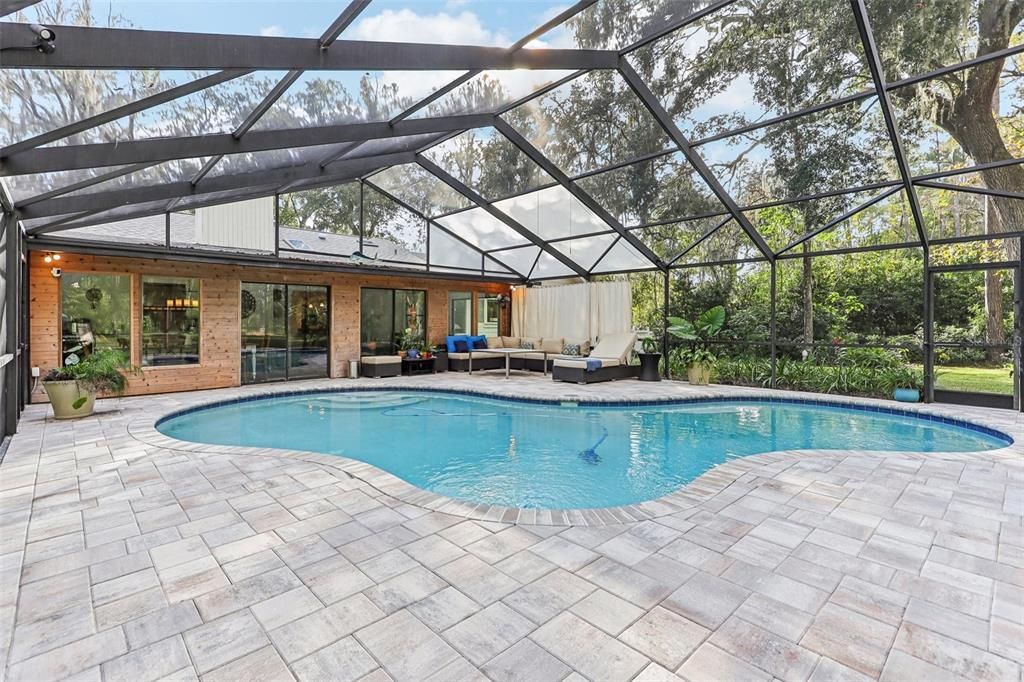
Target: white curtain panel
(572, 311)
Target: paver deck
(129, 556)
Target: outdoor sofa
(459, 360)
(608, 361)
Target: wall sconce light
(51, 258)
(504, 300)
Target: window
(95, 314)
(170, 321)
(460, 312)
(488, 315)
(391, 320)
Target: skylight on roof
(298, 244)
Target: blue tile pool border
(834, 403)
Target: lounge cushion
(581, 363)
(381, 360)
(510, 341)
(551, 345)
(449, 341)
(618, 345)
(496, 342)
(529, 356)
(529, 343)
(461, 345)
(477, 354)
(584, 345)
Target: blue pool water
(551, 456)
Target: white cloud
(271, 31)
(405, 25)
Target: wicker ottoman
(380, 366)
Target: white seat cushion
(581, 363)
(477, 354)
(381, 360)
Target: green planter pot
(66, 399)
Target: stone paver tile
(305, 635)
(828, 670)
(812, 574)
(896, 553)
(626, 582)
(844, 563)
(304, 551)
(564, 553)
(433, 551)
(775, 616)
(459, 670)
(525, 662)
(871, 600)
(503, 544)
(405, 589)
(943, 594)
(315, 524)
(387, 565)
(487, 633)
(238, 549)
(544, 598)
(901, 666)
(762, 649)
(263, 664)
(407, 648)
(588, 650)
(463, 533)
(246, 593)
(30, 639)
(973, 631)
(758, 552)
(780, 532)
(954, 656)
(71, 659)
(482, 582)
(851, 638)
(338, 583)
(286, 607)
(710, 663)
(151, 662)
(606, 611)
(44, 598)
(252, 565)
(223, 640)
(191, 579)
(112, 590)
(525, 566)
(342, 661)
(161, 624)
(706, 599)
(380, 519)
(443, 609)
(664, 637)
(130, 607)
(180, 552)
(123, 565)
(656, 673)
(1006, 638)
(434, 522)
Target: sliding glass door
(285, 332)
(391, 320)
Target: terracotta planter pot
(699, 375)
(65, 395)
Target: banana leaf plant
(699, 334)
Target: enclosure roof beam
(12, 6)
(50, 159)
(515, 225)
(221, 183)
(423, 216)
(970, 189)
(676, 24)
(838, 219)
(122, 111)
(84, 184)
(867, 39)
(665, 120)
(700, 240)
(575, 190)
(91, 47)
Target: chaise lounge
(608, 361)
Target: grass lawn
(975, 379)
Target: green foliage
(698, 334)
(651, 344)
(869, 376)
(100, 372)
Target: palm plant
(699, 333)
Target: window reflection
(170, 321)
(95, 315)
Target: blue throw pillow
(480, 343)
(461, 346)
(449, 341)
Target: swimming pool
(526, 454)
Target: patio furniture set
(567, 359)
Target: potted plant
(73, 388)
(649, 359)
(906, 383)
(699, 333)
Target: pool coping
(709, 484)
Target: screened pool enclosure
(750, 152)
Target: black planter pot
(649, 366)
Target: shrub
(103, 371)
